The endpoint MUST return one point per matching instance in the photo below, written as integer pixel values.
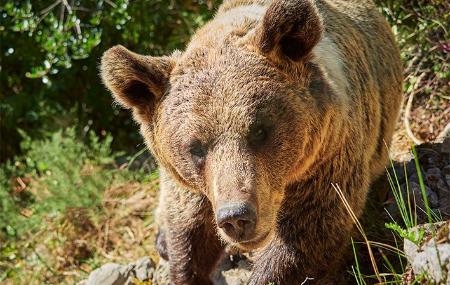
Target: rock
(239, 275)
(161, 275)
(445, 148)
(116, 274)
(415, 199)
(432, 256)
(109, 274)
(432, 197)
(436, 181)
(144, 269)
(434, 164)
(228, 273)
(446, 172)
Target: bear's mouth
(256, 242)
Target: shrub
(56, 174)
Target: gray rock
(225, 275)
(446, 172)
(116, 274)
(161, 275)
(436, 181)
(416, 195)
(109, 274)
(432, 257)
(144, 269)
(237, 276)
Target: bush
(54, 175)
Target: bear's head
(234, 117)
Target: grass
(406, 228)
(356, 271)
(66, 207)
(422, 186)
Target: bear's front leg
(311, 248)
(192, 244)
(313, 229)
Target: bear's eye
(258, 136)
(198, 152)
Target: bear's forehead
(229, 71)
(224, 89)
(223, 106)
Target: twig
(69, 10)
(411, 63)
(105, 238)
(408, 111)
(83, 9)
(21, 183)
(306, 280)
(444, 133)
(47, 11)
(49, 8)
(61, 17)
(112, 4)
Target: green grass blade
(422, 186)
(358, 276)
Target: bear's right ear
(136, 81)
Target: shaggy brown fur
(270, 103)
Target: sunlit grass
(405, 229)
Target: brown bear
(269, 104)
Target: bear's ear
(136, 81)
(289, 30)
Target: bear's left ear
(137, 82)
(289, 30)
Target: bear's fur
(269, 104)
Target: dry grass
(67, 249)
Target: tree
(51, 49)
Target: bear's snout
(237, 220)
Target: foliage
(414, 236)
(50, 52)
(66, 173)
(57, 180)
(63, 31)
(421, 29)
(406, 205)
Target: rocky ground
(145, 272)
(430, 258)
(434, 160)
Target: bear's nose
(237, 220)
